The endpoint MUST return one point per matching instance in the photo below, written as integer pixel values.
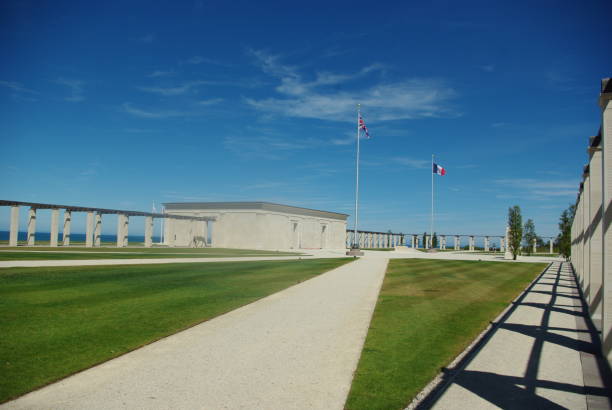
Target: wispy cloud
(129, 108)
(412, 162)
(196, 60)
(266, 147)
(17, 87)
(489, 68)
(320, 98)
(172, 91)
(537, 189)
(147, 38)
(160, 73)
(75, 87)
(212, 101)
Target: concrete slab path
(538, 355)
(295, 349)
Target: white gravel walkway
(295, 349)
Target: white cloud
(137, 112)
(211, 101)
(272, 148)
(412, 162)
(171, 91)
(15, 86)
(160, 73)
(147, 39)
(405, 99)
(537, 189)
(75, 87)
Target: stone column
(148, 239)
(502, 244)
(586, 239)
(550, 242)
(426, 241)
(457, 242)
(67, 226)
(412, 241)
(535, 246)
(97, 229)
(14, 233)
(471, 244)
(122, 230)
(507, 253)
(32, 227)
(486, 244)
(606, 141)
(595, 240)
(54, 227)
(89, 229)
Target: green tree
(529, 235)
(515, 234)
(564, 239)
(434, 241)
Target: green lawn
(47, 253)
(57, 321)
(429, 311)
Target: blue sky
(118, 104)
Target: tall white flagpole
(431, 226)
(355, 237)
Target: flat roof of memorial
(268, 206)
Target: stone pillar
(550, 242)
(89, 230)
(502, 244)
(148, 239)
(67, 226)
(586, 238)
(595, 240)
(471, 243)
(486, 244)
(412, 241)
(606, 141)
(457, 242)
(535, 246)
(32, 227)
(54, 227)
(97, 240)
(507, 253)
(426, 241)
(14, 233)
(122, 230)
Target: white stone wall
(258, 229)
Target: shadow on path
(510, 392)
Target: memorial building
(254, 225)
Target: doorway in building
(295, 235)
(323, 236)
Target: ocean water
(74, 237)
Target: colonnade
(368, 239)
(591, 235)
(93, 223)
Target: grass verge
(428, 312)
(57, 321)
(71, 253)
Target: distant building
(254, 225)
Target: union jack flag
(363, 127)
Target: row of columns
(93, 228)
(374, 239)
(386, 240)
(591, 235)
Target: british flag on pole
(363, 127)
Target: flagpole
(432, 203)
(355, 238)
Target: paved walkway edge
(432, 392)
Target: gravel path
(292, 350)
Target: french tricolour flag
(437, 169)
